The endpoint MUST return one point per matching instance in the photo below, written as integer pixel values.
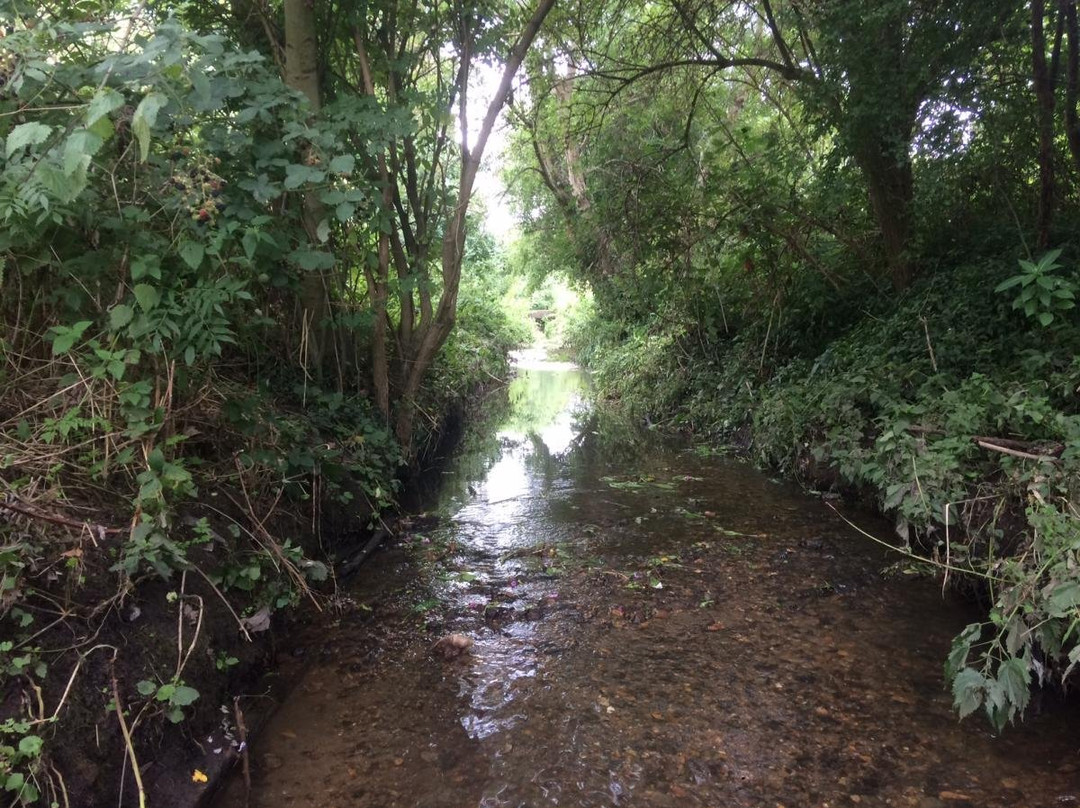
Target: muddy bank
(667, 630)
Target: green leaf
(323, 231)
(1014, 676)
(967, 688)
(961, 647)
(189, 355)
(144, 118)
(183, 696)
(250, 241)
(79, 149)
(343, 164)
(26, 134)
(1063, 598)
(150, 489)
(1009, 283)
(147, 296)
(297, 174)
(311, 260)
(146, 265)
(165, 692)
(192, 252)
(146, 688)
(103, 128)
(121, 315)
(105, 101)
(1045, 318)
(30, 746)
(66, 338)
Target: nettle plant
(1041, 293)
(1033, 630)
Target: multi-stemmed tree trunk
(433, 331)
(416, 208)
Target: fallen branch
(948, 567)
(100, 530)
(350, 566)
(993, 447)
(224, 600)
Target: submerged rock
(453, 645)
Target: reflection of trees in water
(605, 436)
(518, 415)
(539, 397)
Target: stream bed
(658, 629)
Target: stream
(659, 628)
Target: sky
(499, 220)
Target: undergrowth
(174, 469)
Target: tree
(421, 212)
(865, 69)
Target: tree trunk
(891, 188)
(1044, 95)
(379, 281)
(1072, 79)
(302, 73)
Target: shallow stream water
(659, 629)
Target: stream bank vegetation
(843, 236)
(232, 252)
